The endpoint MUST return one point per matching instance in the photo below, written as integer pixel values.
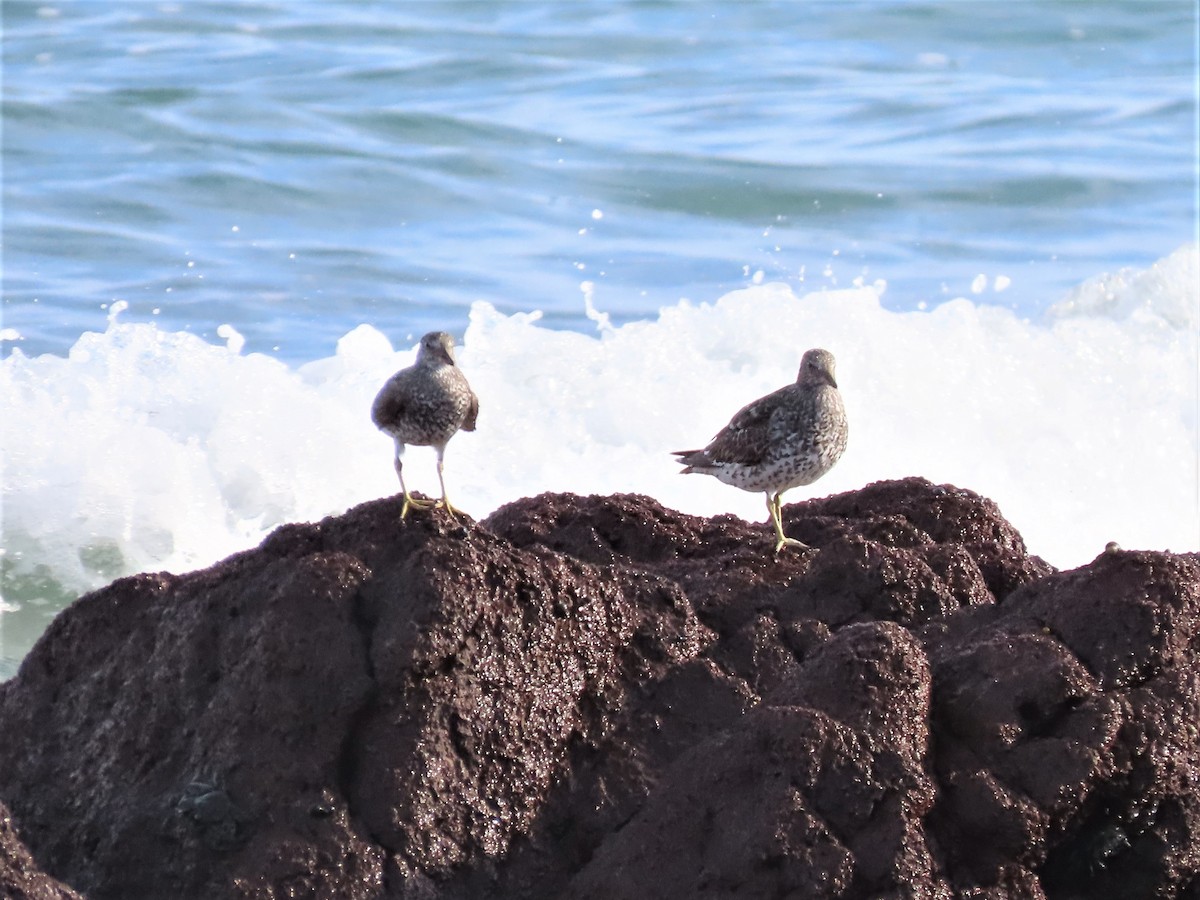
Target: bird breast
(424, 407)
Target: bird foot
(411, 502)
(790, 542)
(454, 513)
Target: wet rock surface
(601, 697)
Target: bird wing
(472, 413)
(390, 402)
(744, 439)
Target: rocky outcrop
(20, 877)
(600, 697)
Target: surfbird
(783, 440)
(426, 404)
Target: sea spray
(147, 449)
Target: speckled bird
(786, 439)
(426, 404)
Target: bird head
(437, 348)
(817, 367)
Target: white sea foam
(149, 450)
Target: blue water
(296, 169)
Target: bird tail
(694, 460)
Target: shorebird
(426, 404)
(783, 440)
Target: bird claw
(411, 502)
(414, 503)
(790, 542)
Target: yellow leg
(775, 505)
(445, 501)
(409, 499)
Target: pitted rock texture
(20, 877)
(600, 697)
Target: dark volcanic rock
(600, 697)
(20, 877)
(1067, 731)
(819, 791)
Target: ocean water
(225, 224)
